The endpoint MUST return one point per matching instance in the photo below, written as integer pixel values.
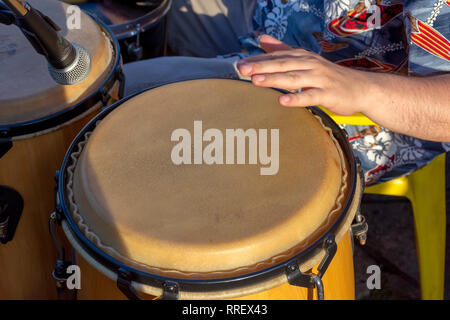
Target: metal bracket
(124, 285)
(360, 228)
(135, 49)
(330, 248)
(11, 207)
(297, 278)
(170, 291)
(105, 97)
(60, 270)
(121, 79)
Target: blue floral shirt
(400, 36)
(385, 36)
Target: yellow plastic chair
(425, 188)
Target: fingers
(306, 98)
(270, 44)
(275, 64)
(293, 80)
(277, 54)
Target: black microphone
(68, 63)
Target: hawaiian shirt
(400, 36)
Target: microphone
(68, 63)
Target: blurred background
(391, 245)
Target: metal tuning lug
(135, 49)
(60, 270)
(124, 285)
(310, 280)
(170, 291)
(359, 228)
(330, 247)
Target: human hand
(339, 89)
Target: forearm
(418, 107)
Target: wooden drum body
(338, 281)
(146, 206)
(38, 121)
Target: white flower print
(276, 23)
(409, 149)
(381, 147)
(335, 8)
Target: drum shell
(98, 282)
(338, 281)
(29, 167)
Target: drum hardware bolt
(304, 280)
(170, 291)
(135, 49)
(60, 275)
(360, 228)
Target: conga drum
(38, 121)
(139, 26)
(209, 189)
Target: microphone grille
(78, 71)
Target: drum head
(27, 92)
(130, 199)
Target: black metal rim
(56, 119)
(128, 29)
(201, 285)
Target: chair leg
(427, 195)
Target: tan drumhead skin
(137, 206)
(28, 92)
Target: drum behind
(140, 26)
